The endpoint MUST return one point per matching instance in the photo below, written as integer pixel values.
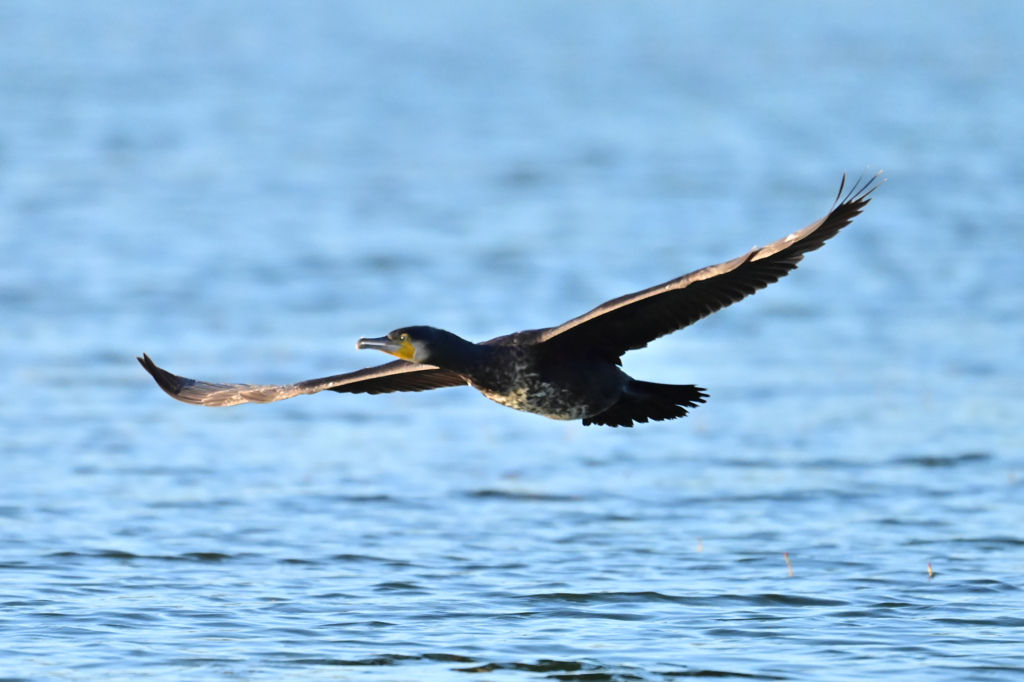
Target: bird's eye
(404, 338)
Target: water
(244, 189)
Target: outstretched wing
(632, 321)
(389, 378)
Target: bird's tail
(643, 401)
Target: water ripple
(243, 191)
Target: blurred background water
(242, 189)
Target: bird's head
(412, 344)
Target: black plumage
(571, 371)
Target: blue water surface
(243, 189)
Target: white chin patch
(421, 354)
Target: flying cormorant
(571, 371)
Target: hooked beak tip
(384, 343)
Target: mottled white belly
(541, 398)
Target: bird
(568, 372)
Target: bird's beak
(400, 349)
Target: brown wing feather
(632, 321)
(388, 378)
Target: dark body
(571, 371)
(524, 373)
(531, 377)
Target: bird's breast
(542, 398)
(523, 381)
